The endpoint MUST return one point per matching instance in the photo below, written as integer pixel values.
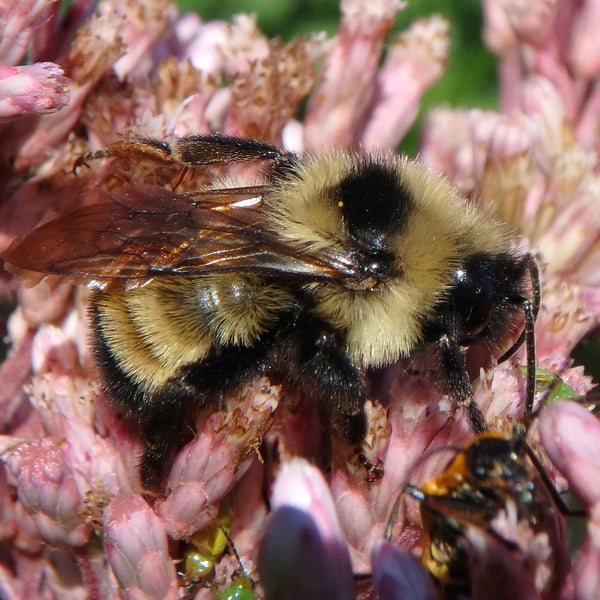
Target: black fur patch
(374, 203)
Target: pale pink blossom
(48, 491)
(352, 103)
(208, 467)
(571, 436)
(32, 89)
(137, 550)
(70, 475)
(414, 62)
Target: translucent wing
(146, 233)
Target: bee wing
(148, 233)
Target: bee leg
(166, 425)
(458, 382)
(160, 415)
(320, 368)
(167, 421)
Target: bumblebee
(318, 270)
(494, 473)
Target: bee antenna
(531, 309)
(530, 348)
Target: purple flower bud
(303, 554)
(398, 575)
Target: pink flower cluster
(74, 520)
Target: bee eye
(475, 295)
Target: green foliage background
(471, 76)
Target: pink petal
(32, 89)
(571, 437)
(48, 490)
(137, 549)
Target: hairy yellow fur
(155, 329)
(384, 323)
